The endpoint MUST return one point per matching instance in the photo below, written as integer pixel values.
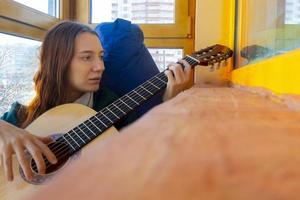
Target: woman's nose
(98, 66)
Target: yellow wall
(214, 24)
(279, 74)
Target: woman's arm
(14, 140)
(178, 79)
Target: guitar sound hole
(61, 150)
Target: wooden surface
(207, 143)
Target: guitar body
(58, 120)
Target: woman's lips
(95, 80)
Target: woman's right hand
(14, 140)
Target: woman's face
(86, 65)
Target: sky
(101, 10)
(41, 5)
(6, 39)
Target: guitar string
(65, 147)
(163, 84)
(118, 105)
(110, 114)
(143, 90)
(110, 107)
(90, 132)
(104, 108)
(84, 129)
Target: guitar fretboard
(105, 118)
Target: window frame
(243, 22)
(21, 20)
(178, 35)
(181, 28)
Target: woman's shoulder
(11, 115)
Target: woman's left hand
(179, 79)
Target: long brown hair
(51, 78)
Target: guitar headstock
(212, 55)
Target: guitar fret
(120, 104)
(119, 108)
(69, 143)
(73, 139)
(78, 133)
(164, 77)
(136, 97)
(89, 130)
(129, 101)
(192, 58)
(160, 79)
(153, 85)
(158, 82)
(150, 88)
(100, 121)
(146, 90)
(190, 61)
(132, 99)
(144, 93)
(126, 104)
(116, 111)
(95, 125)
(106, 117)
(79, 136)
(139, 95)
(112, 113)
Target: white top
(86, 99)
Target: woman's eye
(101, 57)
(86, 57)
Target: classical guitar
(75, 125)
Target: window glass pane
(137, 11)
(18, 62)
(50, 7)
(270, 28)
(162, 57)
(292, 12)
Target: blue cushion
(128, 62)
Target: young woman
(70, 70)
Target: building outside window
(163, 57)
(292, 11)
(137, 11)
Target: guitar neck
(108, 116)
